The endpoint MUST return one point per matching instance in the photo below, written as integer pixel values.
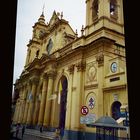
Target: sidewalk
(31, 134)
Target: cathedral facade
(65, 73)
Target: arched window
(49, 46)
(113, 8)
(95, 7)
(116, 110)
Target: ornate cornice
(33, 41)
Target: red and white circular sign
(84, 110)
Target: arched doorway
(116, 110)
(63, 102)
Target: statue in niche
(49, 46)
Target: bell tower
(104, 14)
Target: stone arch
(58, 79)
(115, 110)
(61, 101)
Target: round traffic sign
(84, 110)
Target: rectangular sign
(88, 119)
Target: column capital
(34, 80)
(81, 66)
(71, 69)
(20, 85)
(51, 74)
(24, 84)
(100, 59)
(44, 76)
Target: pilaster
(43, 100)
(77, 96)
(51, 75)
(20, 103)
(69, 97)
(37, 103)
(100, 61)
(34, 81)
(27, 102)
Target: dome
(107, 122)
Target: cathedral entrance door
(63, 102)
(116, 110)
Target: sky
(28, 13)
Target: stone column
(20, 105)
(47, 114)
(24, 103)
(77, 97)
(43, 100)
(69, 97)
(16, 113)
(14, 116)
(34, 81)
(100, 60)
(27, 103)
(37, 103)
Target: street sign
(88, 119)
(84, 110)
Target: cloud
(28, 12)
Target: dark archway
(63, 102)
(116, 110)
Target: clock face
(114, 67)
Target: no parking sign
(84, 110)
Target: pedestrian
(41, 129)
(17, 130)
(61, 133)
(57, 134)
(23, 130)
